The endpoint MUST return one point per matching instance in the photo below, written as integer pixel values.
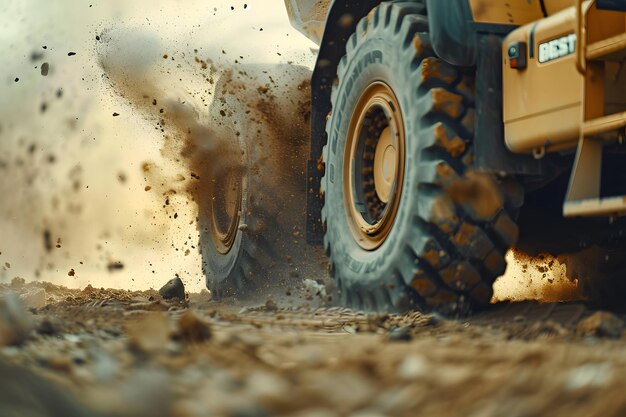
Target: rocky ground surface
(96, 352)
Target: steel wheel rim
(226, 210)
(374, 165)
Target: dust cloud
(534, 278)
(92, 191)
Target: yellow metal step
(613, 48)
(604, 124)
(595, 207)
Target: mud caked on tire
(407, 223)
(252, 210)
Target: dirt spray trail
(256, 123)
(72, 152)
(535, 278)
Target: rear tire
(446, 242)
(262, 113)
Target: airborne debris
(115, 266)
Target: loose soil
(120, 353)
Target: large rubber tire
(453, 226)
(263, 111)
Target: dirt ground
(96, 352)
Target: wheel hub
(385, 165)
(374, 165)
(226, 209)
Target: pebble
(49, 326)
(173, 289)
(270, 305)
(266, 386)
(601, 324)
(589, 375)
(434, 319)
(15, 321)
(400, 334)
(412, 367)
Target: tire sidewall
(375, 59)
(219, 266)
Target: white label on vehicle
(557, 48)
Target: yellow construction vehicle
(444, 132)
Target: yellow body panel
(513, 12)
(542, 103)
(555, 6)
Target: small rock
(412, 367)
(192, 328)
(270, 305)
(601, 324)
(434, 319)
(35, 298)
(60, 363)
(590, 375)
(49, 326)
(400, 334)
(349, 329)
(266, 386)
(314, 286)
(173, 289)
(15, 322)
